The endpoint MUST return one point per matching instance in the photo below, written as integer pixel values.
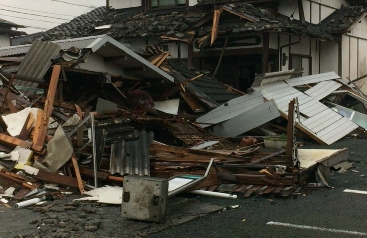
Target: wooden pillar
(265, 58)
(190, 53)
(290, 132)
(301, 12)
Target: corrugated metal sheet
(323, 89)
(132, 157)
(80, 43)
(36, 63)
(232, 108)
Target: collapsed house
(98, 110)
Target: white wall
(193, 2)
(311, 8)
(4, 40)
(96, 63)
(118, 4)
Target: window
(167, 3)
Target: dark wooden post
(265, 58)
(290, 132)
(190, 55)
(301, 12)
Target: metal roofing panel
(316, 78)
(132, 157)
(232, 108)
(35, 64)
(80, 43)
(323, 89)
(248, 120)
(328, 128)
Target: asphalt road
(317, 213)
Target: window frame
(167, 7)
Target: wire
(81, 5)
(30, 19)
(37, 11)
(2, 9)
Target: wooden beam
(301, 12)
(215, 26)
(27, 127)
(162, 59)
(77, 174)
(230, 52)
(220, 57)
(42, 122)
(12, 141)
(190, 54)
(242, 15)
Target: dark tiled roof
(213, 88)
(342, 19)
(130, 23)
(80, 26)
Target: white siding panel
(247, 120)
(322, 89)
(232, 108)
(312, 79)
(315, 120)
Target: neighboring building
(246, 39)
(7, 30)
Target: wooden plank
(193, 103)
(157, 59)
(278, 190)
(42, 122)
(269, 189)
(12, 141)
(56, 178)
(162, 60)
(272, 181)
(252, 190)
(77, 174)
(27, 127)
(214, 33)
(268, 156)
(270, 173)
(290, 191)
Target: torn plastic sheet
(59, 151)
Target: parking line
(316, 228)
(354, 191)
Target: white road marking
(316, 228)
(354, 191)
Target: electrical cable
(30, 19)
(37, 11)
(80, 5)
(2, 9)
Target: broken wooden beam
(42, 122)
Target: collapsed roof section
(109, 50)
(271, 97)
(238, 18)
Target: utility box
(144, 198)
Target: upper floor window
(167, 3)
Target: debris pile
(66, 128)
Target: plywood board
(231, 109)
(247, 120)
(323, 89)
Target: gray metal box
(144, 198)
